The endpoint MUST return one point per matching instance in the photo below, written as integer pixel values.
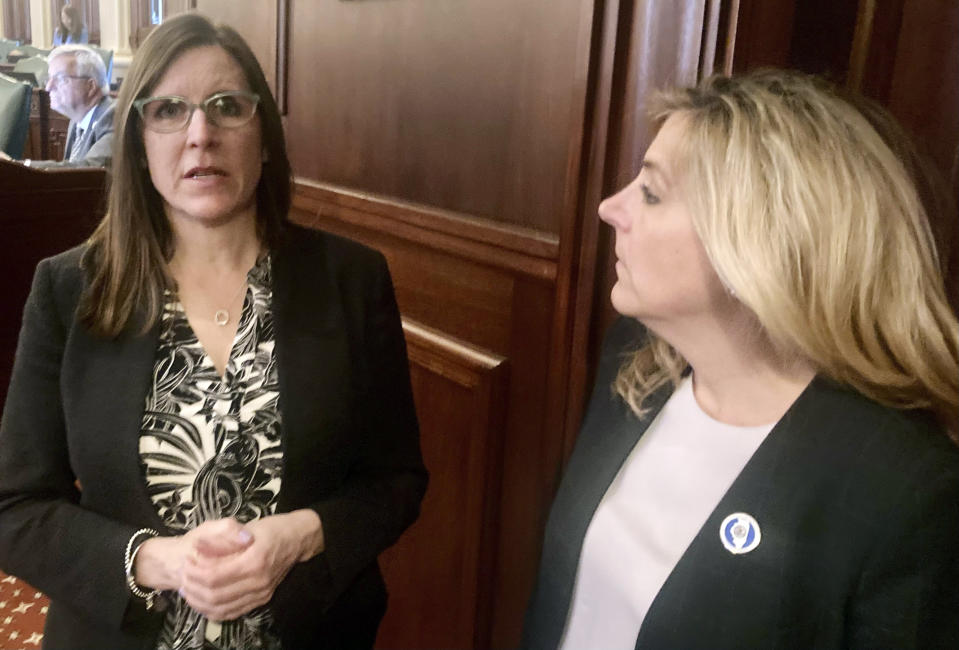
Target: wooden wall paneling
(530, 459)
(822, 38)
(257, 22)
(464, 282)
(562, 365)
(37, 146)
(873, 52)
(460, 397)
(924, 96)
(760, 34)
(924, 86)
(501, 304)
(478, 287)
(600, 103)
(536, 250)
(72, 203)
(464, 106)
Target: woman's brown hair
(127, 255)
(76, 23)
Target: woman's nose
(612, 211)
(200, 131)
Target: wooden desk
(47, 136)
(41, 213)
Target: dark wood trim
(41, 100)
(407, 566)
(574, 240)
(726, 35)
(487, 376)
(282, 53)
(605, 36)
(449, 357)
(522, 250)
(874, 47)
(711, 42)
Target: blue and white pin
(740, 533)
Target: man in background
(79, 88)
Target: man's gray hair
(89, 63)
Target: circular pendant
(221, 317)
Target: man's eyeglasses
(62, 77)
(170, 113)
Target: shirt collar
(84, 124)
(260, 275)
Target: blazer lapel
(609, 433)
(602, 462)
(77, 147)
(71, 137)
(107, 396)
(715, 589)
(313, 357)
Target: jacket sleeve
(99, 155)
(46, 538)
(908, 592)
(381, 493)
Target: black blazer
(858, 505)
(350, 444)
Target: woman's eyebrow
(656, 170)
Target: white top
(669, 485)
(84, 123)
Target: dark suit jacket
(350, 443)
(858, 505)
(94, 148)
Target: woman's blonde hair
(815, 225)
(127, 254)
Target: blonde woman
(766, 459)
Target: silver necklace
(222, 316)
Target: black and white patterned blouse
(210, 447)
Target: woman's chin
(623, 301)
(210, 216)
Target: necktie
(75, 145)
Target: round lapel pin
(740, 533)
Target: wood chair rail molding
(522, 250)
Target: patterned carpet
(22, 610)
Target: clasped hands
(224, 569)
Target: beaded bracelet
(128, 558)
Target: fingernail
(244, 536)
(180, 591)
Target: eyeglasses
(170, 113)
(62, 77)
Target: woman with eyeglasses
(209, 434)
